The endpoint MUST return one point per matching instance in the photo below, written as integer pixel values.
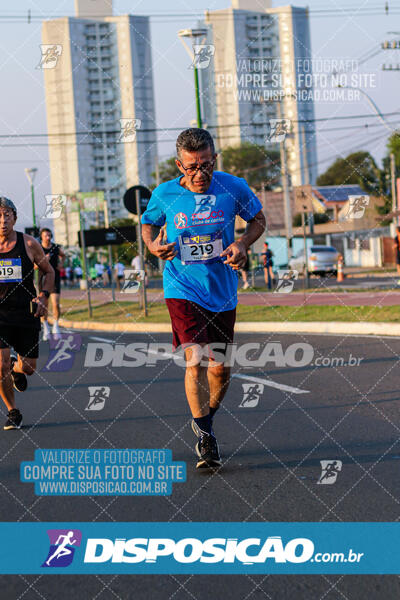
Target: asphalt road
(271, 453)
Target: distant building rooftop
(337, 193)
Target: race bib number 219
(200, 249)
(10, 270)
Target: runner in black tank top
(54, 254)
(16, 287)
(20, 307)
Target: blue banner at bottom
(214, 548)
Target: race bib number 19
(200, 249)
(10, 270)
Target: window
(365, 244)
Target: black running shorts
(24, 340)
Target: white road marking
(270, 383)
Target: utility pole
(393, 180)
(107, 225)
(285, 187)
(141, 256)
(83, 256)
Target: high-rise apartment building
(262, 54)
(100, 106)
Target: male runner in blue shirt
(200, 277)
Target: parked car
(321, 260)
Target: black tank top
(16, 286)
(54, 251)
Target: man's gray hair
(7, 203)
(193, 140)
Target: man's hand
(237, 255)
(158, 248)
(42, 303)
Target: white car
(321, 260)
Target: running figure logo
(50, 55)
(356, 207)
(132, 280)
(63, 543)
(97, 397)
(202, 56)
(279, 129)
(330, 470)
(204, 205)
(251, 394)
(286, 279)
(54, 206)
(129, 128)
(62, 352)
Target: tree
(124, 252)
(393, 146)
(167, 170)
(252, 162)
(357, 168)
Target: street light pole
(197, 90)
(193, 34)
(31, 174)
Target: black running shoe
(208, 452)
(14, 420)
(20, 381)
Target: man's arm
(61, 257)
(153, 237)
(237, 252)
(39, 258)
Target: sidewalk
(344, 298)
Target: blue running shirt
(212, 284)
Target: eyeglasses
(204, 167)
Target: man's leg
(55, 303)
(218, 376)
(6, 383)
(196, 382)
(198, 396)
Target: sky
(339, 29)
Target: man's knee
(194, 355)
(196, 372)
(219, 370)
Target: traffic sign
(130, 198)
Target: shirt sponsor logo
(204, 212)
(180, 220)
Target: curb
(337, 327)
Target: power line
(164, 129)
(168, 17)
